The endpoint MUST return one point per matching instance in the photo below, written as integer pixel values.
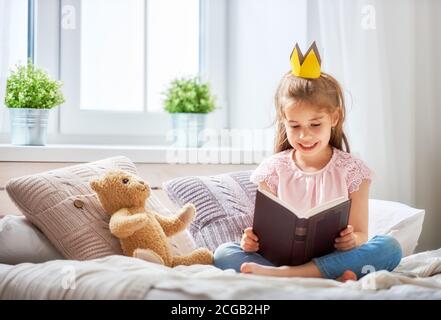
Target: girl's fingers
(345, 241)
(345, 246)
(250, 242)
(250, 234)
(347, 230)
(345, 238)
(249, 245)
(248, 248)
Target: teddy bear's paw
(203, 256)
(198, 256)
(187, 213)
(147, 255)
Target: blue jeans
(379, 253)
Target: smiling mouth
(308, 146)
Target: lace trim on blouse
(268, 170)
(356, 170)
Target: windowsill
(138, 154)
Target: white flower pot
(188, 129)
(29, 126)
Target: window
(13, 48)
(112, 55)
(126, 65)
(118, 56)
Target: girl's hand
(347, 239)
(249, 241)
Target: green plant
(189, 95)
(31, 87)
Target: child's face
(308, 129)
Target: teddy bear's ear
(96, 185)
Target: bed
(118, 277)
(41, 272)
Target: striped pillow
(182, 242)
(224, 205)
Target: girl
(312, 165)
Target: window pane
(112, 55)
(173, 45)
(113, 52)
(13, 46)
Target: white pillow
(22, 242)
(181, 243)
(398, 220)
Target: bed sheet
(119, 277)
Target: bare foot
(249, 267)
(308, 270)
(254, 268)
(347, 275)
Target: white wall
(428, 120)
(261, 36)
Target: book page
(309, 213)
(324, 206)
(281, 202)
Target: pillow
(64, 207)
(182, 242)
(225, 206)
(23, 242)
(398, 220)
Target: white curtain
(383, 54)
(13, 48)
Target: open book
(289, 237)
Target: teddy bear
(144, 233)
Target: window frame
(110, 127)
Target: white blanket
(118, 277)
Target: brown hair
(324, 92)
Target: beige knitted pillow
(64, 207)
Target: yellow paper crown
(308, 65)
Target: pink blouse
(341, 176)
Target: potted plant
(189, 101)
(30, 94)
